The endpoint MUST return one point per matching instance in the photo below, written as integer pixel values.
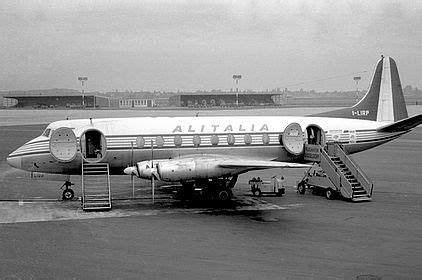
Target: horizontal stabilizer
(402, 125)
(261, 164)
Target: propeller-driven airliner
(212, 151)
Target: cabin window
(247, 139)
(196, 140)
(178, 140)
(214, 140)
(265, 139)
(159, 141)
(140, 142)
(230, 139)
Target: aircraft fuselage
(122, 141)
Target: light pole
(357, 79)
(237, 78)
(83, 79)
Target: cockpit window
(46, 132)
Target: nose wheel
(68, 193)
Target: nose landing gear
(68, 193)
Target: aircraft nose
(14, 162)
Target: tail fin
(384, 101)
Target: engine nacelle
(176, 170)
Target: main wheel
(68, 194)
(301, 188)
(224, 195)
(329, 194)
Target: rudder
(384, 101)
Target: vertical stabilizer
(384, 101)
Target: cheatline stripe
(32, 147)
(203, 147)
(39, 141)
(28, 154)
(30, 151)
(23, 151)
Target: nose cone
(15, 162)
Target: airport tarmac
(292, 237)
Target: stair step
(96, 203)
(96, 197)
(94, 208)
(93, 172)
(359, 192)
(360, 195)
(361, 199)
(96, 187)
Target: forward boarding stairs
(351, 182)
(96, 194)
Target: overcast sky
(190, 45)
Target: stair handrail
(362, 178)
(336, 177)
(82, 183)
(108, 183)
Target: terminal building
(223, 99)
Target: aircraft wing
(260, 164)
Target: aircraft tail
(384, 101)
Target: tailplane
(384, 101)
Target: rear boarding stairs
(96, 193)
(345, 176)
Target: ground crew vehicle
(274, 186)
(319, 183)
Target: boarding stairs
(96, 194)
(344, 173)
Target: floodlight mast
(357, 79)
(83, 79)
(237, 77)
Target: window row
(196, 140)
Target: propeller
(144, 169)
(131, 174)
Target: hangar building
(60, 101)
(222, 99)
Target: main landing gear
(68, 193)
(219, 190)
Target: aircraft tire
(68, 194)
(257, 192)
(224, 195)
(329, 194)
(301, 188)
